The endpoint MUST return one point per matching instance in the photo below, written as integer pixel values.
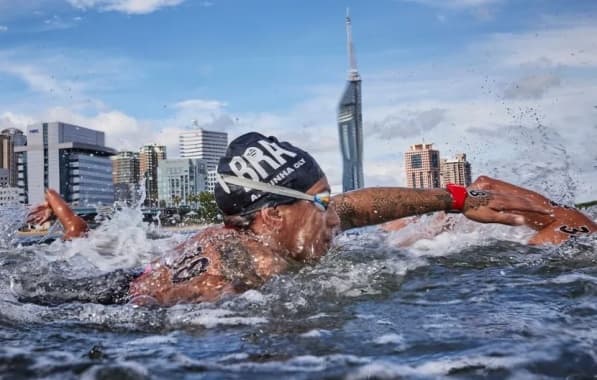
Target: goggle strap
(264, 186)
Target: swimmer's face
(308, 231)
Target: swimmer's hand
(500, 207)
(40, 214)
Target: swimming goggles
(320, 200)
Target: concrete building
(180, 178)
(9, 139)
(149, 158)
(125, 177)
(205, 145)
(456, 171)
(69, 158)
(421, 165)
(350, 123)
(9, 195)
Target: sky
(511, 83)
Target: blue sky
(511, 83)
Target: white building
(456, 171)
(9, 195)
(180, 178)
(70, 159)
(205, 145)
(211, 180)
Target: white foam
(315, 333)
(210, 318)
(153, 340)
(573, 277)
(390, 339)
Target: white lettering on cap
(255, 156)
(249, 165)
(239, 166)
(276, 151)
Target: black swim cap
(263, 159)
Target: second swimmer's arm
(74, 225)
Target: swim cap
(263, 159)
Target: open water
(475, 302)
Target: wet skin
(218, 260)
(556, 226)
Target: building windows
(416, 162)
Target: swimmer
(278, 214)
(555, 227)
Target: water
(471, 303)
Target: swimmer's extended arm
(55, 206)
(554, 227)
(381, 204)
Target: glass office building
(68, 158)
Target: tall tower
(149, 155)
(422, 167)
(350, 122)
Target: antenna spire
(353, 73)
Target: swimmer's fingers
(40, 214)
(504, 202)
(487, 215)
(511, 203)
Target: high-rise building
(125, 176)
(9, 138)
(456, 171)
(421, 164)
(180, 178)
(350, 123)
(205, 145)
(149, 157)
(69, 158)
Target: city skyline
(498, 79)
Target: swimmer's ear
(272, 217)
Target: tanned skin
(558, 225)
(219, 260)
(56, 207)
(555, 226)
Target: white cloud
(3, 28)
(548, 47)
(35, 78)
(406, 123)
(125, 6)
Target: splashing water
(12, 218)
(472, 301)
(537, 159)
